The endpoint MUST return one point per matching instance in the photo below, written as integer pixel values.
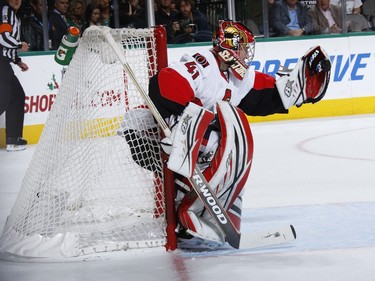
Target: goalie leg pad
(187, 139)
(196, 231)
(230, 168)
(226, 175)
(199, 227)
(308, 81)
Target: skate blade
(15, 147)
(196, 243)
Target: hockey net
(95, 182)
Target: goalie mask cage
(96, 182)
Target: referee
(12, 95)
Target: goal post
(96, 182)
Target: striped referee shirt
(10, 33)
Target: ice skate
(16, 144)
(200, 234)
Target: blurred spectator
(326, 18)
(76, 14)
(368, 10)
(289, 17)
(106, 13)
(173, 6)
(32, 27)
(355, 20)
(59, 25)
(132, 14)
(352, 6)
(189, 25)
(255, 14)
(92, 15)
(164, 12)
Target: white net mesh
(93, 184)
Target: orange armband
(5, 27)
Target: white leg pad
(187, 139)
(207, 233)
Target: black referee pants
(12, 100)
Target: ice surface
(317, 174)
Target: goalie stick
(198, 181)
(249, 240)
(269, 237)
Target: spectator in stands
(189, 25)
(355, 20)
(59, 25)
(255, 14)
(173, 6)
(164, 12)
(352, 6)
(32, 27)
(92, 15)
(368, 10)
(326, 18)
(289, 18)
(76, 14)
(132, 14)
(106, 13)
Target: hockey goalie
(204, 99)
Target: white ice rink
(317, 174)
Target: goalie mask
(235, 44)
